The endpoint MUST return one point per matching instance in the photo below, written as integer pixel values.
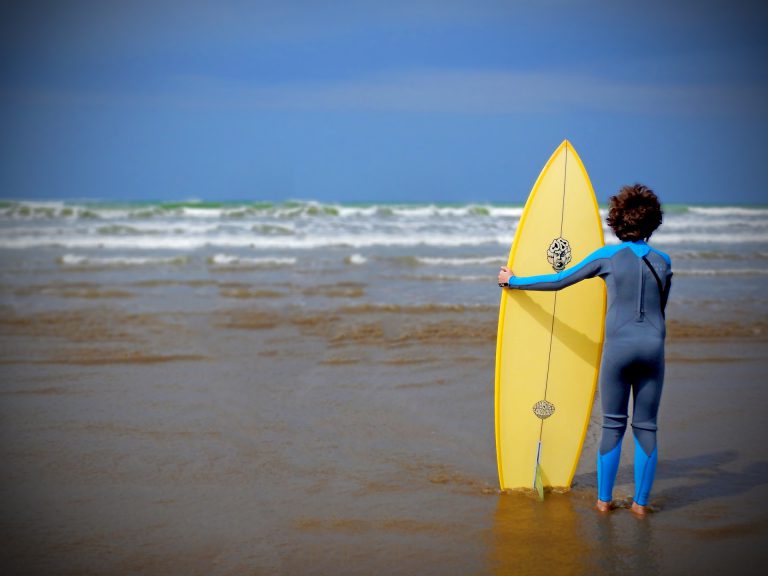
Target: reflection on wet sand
(565, 535)
(626, 547)
(533, 537)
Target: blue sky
(431, 101)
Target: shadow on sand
(707, 476)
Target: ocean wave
(119, 230)
(190, 242)
(306, 225)
(46, 211)
(33, 210)
(356, 259)
(506, 211)
(74, 260)
(311, 209)
(449, 277)
(273, 229)
(722, 272)
(662, 237)
(328, 238)
(364, 211)
(239, 210)
(716, 255)
(419, 211)
(158, 228)
(729, 210)
(464, 261)
(232, 261)
(151, 228)
(706, 223)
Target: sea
(402, 253)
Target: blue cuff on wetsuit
(607, 467)
(645, 471)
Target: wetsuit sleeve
(665, 294)
(596, 264)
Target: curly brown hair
(634, 213)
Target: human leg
(614, 397)
(646, 398)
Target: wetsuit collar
(639, 247)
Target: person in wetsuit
(638, 280)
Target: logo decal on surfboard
(543, 409)
(559, 254)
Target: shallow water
(214, 416)
(247, 441)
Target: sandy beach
(262, 437)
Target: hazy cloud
(475, 92)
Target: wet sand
(260, 437)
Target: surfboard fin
(538, 485)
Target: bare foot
(603, 506)
(638, 510)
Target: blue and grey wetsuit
(638, 279)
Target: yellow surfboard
(549, 343)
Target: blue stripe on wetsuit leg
(607, 467)
(645, 471)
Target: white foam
(423, 212)
(451, 277)
(698, 238)
(356, 259)
(193, 242)
(435, 211)
(461, 261)
(358, 211)
(230, 260)
(728, 210)
(505, 211)
(708, 222)
(723, 272)
(56, 204)
(182, 240)
(202, 212)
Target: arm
(593, 265)
(665, 294)
(667, 284)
